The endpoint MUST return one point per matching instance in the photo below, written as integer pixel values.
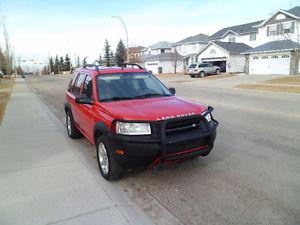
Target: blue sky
(38, 28)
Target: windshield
(193, 66)
(116, 87)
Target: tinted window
(87, 89)
(78, 82)
(114, 87)
(193, 66)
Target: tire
(217, 71)
(192, 76)
(202, 74)
(108, 165)
(72, 131)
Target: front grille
(177, 127)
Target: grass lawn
(282, 84)
(5, 91)
(277, 88)
(289, 80)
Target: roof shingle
(274, 46)
(239, 29)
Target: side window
(71, 84)
(87, 89)
(78, 82)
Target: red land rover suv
(134, 120)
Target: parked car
(134, 120)
(202, 69)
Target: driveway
(251, 177)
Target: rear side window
(78, 82)
(87, 89)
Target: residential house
(190, 46)
(226, 55)
(279, 51)
(133, 53)
(167, 62)
(159, 58)
(274, 42)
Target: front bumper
(163, 148)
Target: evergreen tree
(67, 63)
(61, 64)
(120, 53)
(107, 53)
(51, 65)
(56, 65)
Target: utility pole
(127, 47)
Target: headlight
(133, 128)
(207, 117)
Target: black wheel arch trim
(67, 106)
(100, 129)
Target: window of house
(274, 57)
(78, 82)
(231, 39)
(285, 56)
(265, 57)
(253, 37)
(255, 57)
(272, 30)
(87, 89)
(287, 28)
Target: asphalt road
(251, 177)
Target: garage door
(270, 64)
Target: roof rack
(94, 66)
(132, 65)
(97, 66)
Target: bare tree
(176, 61)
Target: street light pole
(127, 49)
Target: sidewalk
(46, 179)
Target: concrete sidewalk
(46, 179)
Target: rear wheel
(72, 131)
(217, 71)
(108, 165)
(202, 74)
(192, 76)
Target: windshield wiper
(115, 99)
(151, 95)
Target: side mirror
(172, 90)
(83, 100)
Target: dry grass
(169, 75)
(5, 91)
(277, 88)
(287, 80)
(215, 77)
(6, 85)
(4, 96)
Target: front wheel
(217, 71)
(107, 162)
